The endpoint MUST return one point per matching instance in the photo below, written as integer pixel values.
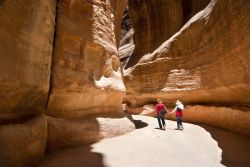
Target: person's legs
(159, 121)
(163, 121)
(178, 122)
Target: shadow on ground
(74, 157)
(140, 124)
(235, 147)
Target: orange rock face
(86, 73)
(81, 79)
(205, 62)
(85, 63)
(61, 81)
(26, 30)
(23, 144)
(155, 21)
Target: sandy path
(147, 147)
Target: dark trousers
(179, 122)
(161, 120)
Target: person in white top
(179, 113)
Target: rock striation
(26, 29)
(204, 62)
(155, 21)
(61, 81)
(86, 73)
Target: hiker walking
(178, 113)
(161, 110)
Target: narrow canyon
(73, 72)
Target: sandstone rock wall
(205, 62)
(86, 87)
(85, 57)
(86, 73)
(70, 97)
(26, 29)
(127, 46)
(155, 21)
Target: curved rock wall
(82, 101)
(86, 74)
(85, 59)
(205, 62)
(155, 21)
(127, 46)
(26, 29)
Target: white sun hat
(178, 102)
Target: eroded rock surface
(23, 144)
(155, 21)
(86, 75)
(205, 62)
(127, 45)
(195, 51)
(26, 30)
(85, 63)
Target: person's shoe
(177, 129)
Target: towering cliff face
(82, 101)
(205, 62)
(86, 74)
(85, 59)
(155, 21)
(26, 29)
(127, 45)
(193, 50)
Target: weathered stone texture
(23, 144)
(127, 46)
(155, 21)
(26, 29)
(86, 73)
(85, 52)
(64, 133)
(205, 62)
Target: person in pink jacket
(178, 113)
